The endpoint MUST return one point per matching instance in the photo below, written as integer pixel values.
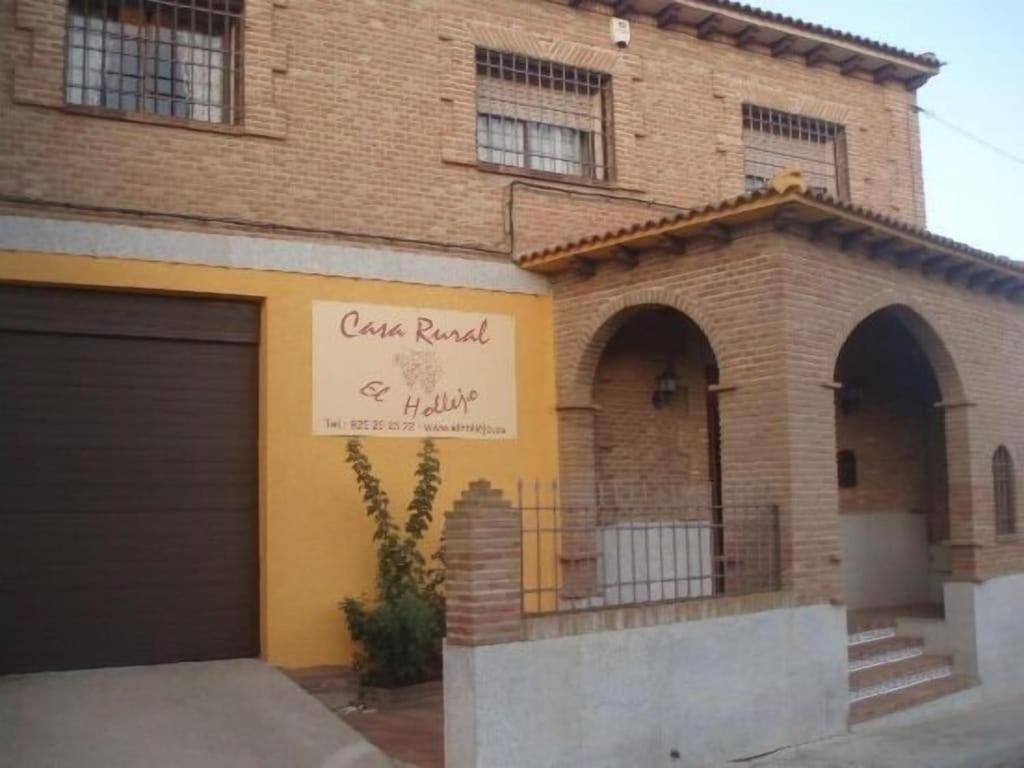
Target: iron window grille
(542, 116)
(1005, 492)
(775, 141)
(175, 58)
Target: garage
(129, 528)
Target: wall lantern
(665, 387)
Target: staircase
(890, 673)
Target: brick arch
(925, 329)
(611, 317)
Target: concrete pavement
(225, 714)
(987, 736)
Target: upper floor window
(177, 58)
(775, 141)
(542, 116)
(1005, 492)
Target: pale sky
(973, 194)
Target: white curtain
(86, 46)
(555, 149)
(109, 62)
(200, 69)
(507, 141)
(500, 140)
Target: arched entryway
(895, 374)
(653, 462)
(656, 424)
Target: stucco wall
(710, 689)
(885, 559)
(315, 537)
(986, 633)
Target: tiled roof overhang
(780, 35)
(795, 210)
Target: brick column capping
(483, 560)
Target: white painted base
(714, 690)
(940, 570)
(985, 623)
(885, 559)
(652, 561)
(934, 633)
(122, 241)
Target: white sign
(410, 372)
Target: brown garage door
(128, 479)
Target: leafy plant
(401, 632)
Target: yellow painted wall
(315, 536)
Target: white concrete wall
(651, 561)
(885, 559)
(715, 689)
(940, 570)
(986, 627)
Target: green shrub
(401, 631)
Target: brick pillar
(483, 562)
(965, 541)
(778, 448)
(578, 501)
(812, 527)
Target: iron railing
(577, 558)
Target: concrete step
(870, 635)
(920, 695)
(894, 676)
(884, 651)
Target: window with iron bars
(175, 58)
(542, 116)
(775, 141)
(1005, 492)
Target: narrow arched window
(1005, 494)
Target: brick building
(711, 240)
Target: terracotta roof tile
(926, 59)
(760, 204)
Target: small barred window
(776, 141)
(176, 58)
(1005, 492)
(542, 116)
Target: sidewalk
(990, 736)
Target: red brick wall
(777, 309)
(637, 443)
(360, 118)
(966, 329)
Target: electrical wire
(340, 233)
(243, 223)
(968, 135)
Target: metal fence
(649, 547)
